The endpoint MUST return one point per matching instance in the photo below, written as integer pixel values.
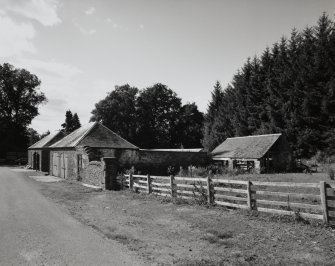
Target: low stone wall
(93, 174)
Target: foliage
(171, 170)
(45, 134)
(199, 194)
(117, 111)
(192, 171)
(290, 88)
(71, 122)
(212, 169)
(189, 127)
(331, 173)
(150, 118)
(33, 136)
(19, 101)
(158, 108)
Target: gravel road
(35, 231)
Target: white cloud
(119, 27)
(90, 11)
(61, 84)
(51, 69)
(108, 20)
(141, 27)
(43, 11)
(17, 37)
(87, 31)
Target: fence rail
(309, 200)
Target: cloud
(90, 11)
(61, 84)
(42, 11)
(17, 37)
(52, 69)
(141, 27)
(57, 105)
(119, 27)
(16, 24)
(86, 31)
(108, 20)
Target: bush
(331, 173)
(193, 171)
(172, 170)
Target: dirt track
(163, 233)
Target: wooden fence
(309, 200)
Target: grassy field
(165, 232)
(285, 177)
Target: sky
(81, 49)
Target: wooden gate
(55, 164)
(63, 166)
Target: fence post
(209, 188)
(131, 181)
(149, 184)
(249, 195)
(173, 194)
(323, 195)
(122, 180)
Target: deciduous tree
(20, 97)
(117, 111)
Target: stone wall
(93, 174)
(125, 157)
(158, 162)
(30, 157)
(146, 161)
(90, 172)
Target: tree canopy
(158, 109)
(118, 112)
(71, 122)
(19, 100)
(290, 88)
(153, 117)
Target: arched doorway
(36, 161)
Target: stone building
(38, 153)
(79, 155)
(261, 153)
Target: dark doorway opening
(36, 161)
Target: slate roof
(95, 135)
(250, 147)
(43, 143)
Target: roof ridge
(250, 136)
(52, 135)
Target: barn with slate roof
(38, 153)
(78, 155)
(262, 153)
